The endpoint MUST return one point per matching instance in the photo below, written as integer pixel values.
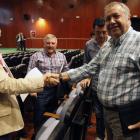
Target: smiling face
(117, 22)
(50, 46)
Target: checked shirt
(118, 65)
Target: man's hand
(51, 80)
(33, 95)
(137, 125)
(85, 83)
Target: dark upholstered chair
(7, 61)
(21, 70)
(52, 129)
(25, 60)
(13, 61)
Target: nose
(51, 44)
(112, 20)
(101, 34)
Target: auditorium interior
(71, 21)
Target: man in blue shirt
(91, 49)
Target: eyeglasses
(103, 32)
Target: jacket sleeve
(17, 38)
(10, 85)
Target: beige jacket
(10, 116)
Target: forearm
(18, 86)
(65, 76)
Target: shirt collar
(95, 41)
(120, 39)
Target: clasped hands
(51, 80)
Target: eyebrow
(112, 14)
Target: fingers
(88, 83)
(56, 76)
(50, 80)
(137, 125)
(53, 82)
(33, 95)
(85, 83)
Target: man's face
(100, 34)
(116, 21)
(50, 45)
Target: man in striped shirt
(118, 65)
(48, 60)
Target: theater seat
(13, 61)
(7, 61)
(13, 71)
(52, 129)
(68, 109)
(67, 112)
(21, 70)
(25, 60)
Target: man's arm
(17, 86)
(65, 77)
(137, 125)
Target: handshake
(51, 80)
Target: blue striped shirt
(47, 64)
(118, 65)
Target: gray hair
(125, 8)
(50, 36)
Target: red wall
(71, 34)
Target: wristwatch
(60, 77)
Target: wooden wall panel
(71, 34)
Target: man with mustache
(118, 66)
(47, 60)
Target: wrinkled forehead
(51, 39)
(115, 9)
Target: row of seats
(76, 61)
(72, 120)
(24, 57)
(63, 51)
(16, 60)
(29, 53)
(19, 71)
(70, 54)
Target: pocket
(5, 109)
(122, 64)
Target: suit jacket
(10, 116)
(17, 37)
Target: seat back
(9, 55)
(25, 60)
(13, 61)
(7, 61)
(4, 55)
(69, 110)
(19, 58)
(21, 70)
(52, 129)
(13, 71)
